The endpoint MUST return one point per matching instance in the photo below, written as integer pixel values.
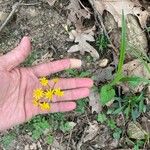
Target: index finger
(55, 66)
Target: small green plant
(8, 139)
(81, 104)
(33, 56)
(65, 127)
(102, 42)
(116, 132)
(50, 139)
(101, 118)
(37, 126)
(44, 126)
(76, 73)
(107, 92)
(138, 144)
(129, 105)
(132, 106)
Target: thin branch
(84, 6)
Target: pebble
(26, 147)
(39, 145)
(33, 146)
(103, 62)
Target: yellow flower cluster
(43, 97)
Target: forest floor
(123, 121)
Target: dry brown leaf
(94, 101)
(51, 2)
(137, 39)
(135, 131)
(135, 68)
(81, 37)
(91, 132)
(76, 13)
(115, 8)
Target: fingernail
(75, 63)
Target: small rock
(103, 62)
(33, 146)
(39, 145)
(29, 133)
(26, 147)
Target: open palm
(17, 85)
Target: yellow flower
(38, 93)
(49, 94)
(45, 106)
(35, 102)
(43, 81)
(58, 92)
(55, 80)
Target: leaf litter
(129, 6)
(82, 38)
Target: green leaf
(122, 50)
(136, 147)
(50, 139)
(134, 79)
(107, 93)
(119, 110)
(85, 74)
(65, 127)
(81, 104)
(110, 111)
(127, 112)
(111, 123)
(117, 133)
(141, 106)
(101, 118)
(8, 139)
(135, 114)
(72, 72)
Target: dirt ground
(45, 26)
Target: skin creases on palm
(17, 85)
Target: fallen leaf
(51, 2)
(94, 100)
(135, 68)
(135, 131)
(115, 8)
(57, 145)
(81, 37)
(76, 13)
(103, 74)
(137, 39)
(91, 131)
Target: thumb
(17, 55)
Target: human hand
(17, 85)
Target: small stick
(69, 139)
(84, 6)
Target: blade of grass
(122, 51)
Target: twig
(14, 8)
(69, 140)
(84, 6)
